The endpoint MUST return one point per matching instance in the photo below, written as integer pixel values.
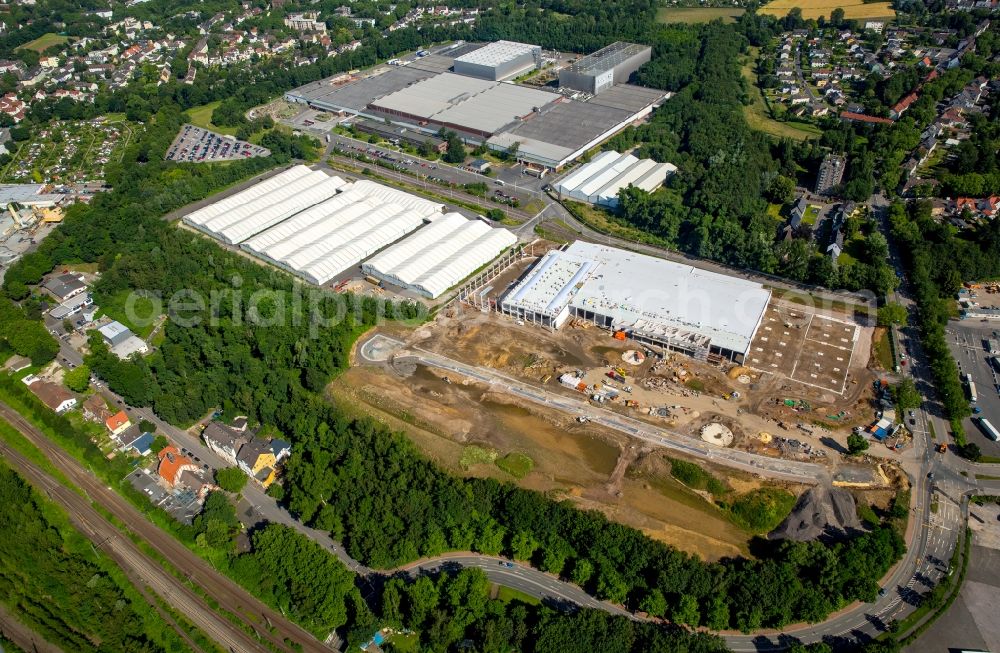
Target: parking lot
(804, 346)
(966, 341)
(196, 145)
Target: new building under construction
(662, 304)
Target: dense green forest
(53, 580)
(448, 609)
(24, 334)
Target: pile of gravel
(821, 513)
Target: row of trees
(938, 260)
(450, 609)
(369, 488)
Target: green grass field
(809, 218)
(508, 594)
(202, 117)
(517, 465)
(405, 643)
(143, 308)
(883, 351)
(44, 42)
(698, 14)
(759, 116)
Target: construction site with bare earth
(700, 449)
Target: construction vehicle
(631, 403)
(615, 376)
(619, 335)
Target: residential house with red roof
(118, 423)
(173, 464)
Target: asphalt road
(931, 537)
(546, 587)
(224, 591)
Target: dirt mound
(820, 513)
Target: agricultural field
(698, 14)
(853, 9)
(44, 42)
(68, 152)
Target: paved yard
(972, 622)
(965, 339)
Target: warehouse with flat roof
(561, 132)
(477, 107)
(601, 70)
(548, 129)
(544, 295)
(599, 181)
(440, 255)
(499, 60)
(662, 304)
(331, 94)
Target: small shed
(482, 166)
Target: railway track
(272, 631)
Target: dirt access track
(449, 415)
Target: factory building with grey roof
(547, 128)
(601, 70)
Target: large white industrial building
(338, 234)
(319, 226)
(440, 255)
(499, 60)
(657, 302)
(237, 218)
(473, 106)
(599, 181)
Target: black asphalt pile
(820, 513)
